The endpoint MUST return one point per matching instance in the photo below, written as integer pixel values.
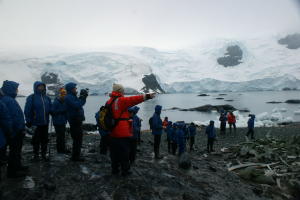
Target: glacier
(266, 65)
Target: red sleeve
(127, 102)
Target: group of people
(121, 140)
(67, 107)
(231, 119)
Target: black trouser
(76, 134)
(174, 148)
(15, 150)
(60, 131)
(230, 127)
(3, 155)
(192, 141)
(223, 128)
(250, 131)
(40, 138)
(156, 145)
(119, 154)
(169, 145)
(210, 144)
(133, 146)
(104, 144)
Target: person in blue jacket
(75, 114)
(223, 120)
(157, 130)
(174, 138)
(169, 131)
(181, 138)
(136, 130)
(37, 111)
(251, 126)
(59, 118)
(5, 133)
(10, 91)
(192, 133)
(211, 136)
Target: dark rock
(230, 100)
(274, 102)
(289, 89)
(232, 57)
(222, 94)
(53, 83)
(291, 41)
(203, 95)
(293, 101)
(151, 83)
(89, 127)
(244, 110)
(184, 161)
(219, 98)
(209, 108)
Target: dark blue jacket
(37, 107)
(59, 112)
(169, 130)
(251, 122)
(5, 123)
(223, 118)
(181, 137)
(136, 121)
(192, 130)
(157, 128)
(210, 131)
(174, 136)
(9, 90)
(74, 105)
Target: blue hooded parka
(9, 89)
(157, 128)
(38, 107)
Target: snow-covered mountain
(264, 65)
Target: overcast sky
(154, 23)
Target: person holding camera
(37, 111)
(75, 115)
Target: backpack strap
(118, 119)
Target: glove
(150, 96)
(28, 124)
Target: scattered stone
(230, 100)
(219, 98)
(291, 41)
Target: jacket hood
(70, 86)
(36, 85)
(9, 88)
(252, 116)
(169, 123)
(211, 123)
(134, 109)
(158, 109)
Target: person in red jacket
(121, 134)
(231, 121)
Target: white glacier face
(266, 65)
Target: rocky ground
(208, 178)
